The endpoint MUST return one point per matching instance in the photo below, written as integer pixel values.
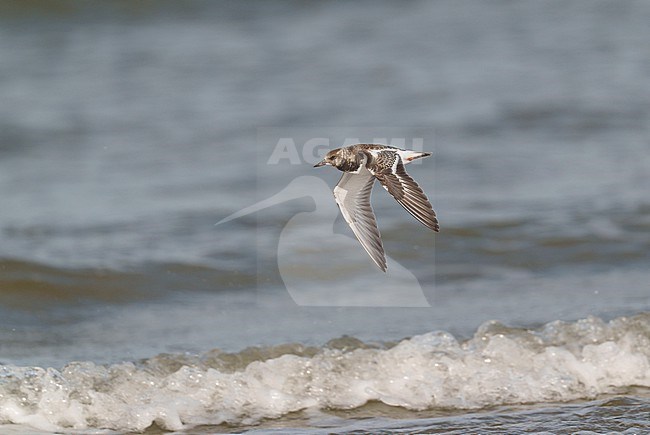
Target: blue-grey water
(128, 129)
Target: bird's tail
(408, 156)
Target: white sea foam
(499, 365)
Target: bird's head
(333, 158)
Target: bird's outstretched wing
(352, 194)
(388, 168)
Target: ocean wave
(28, 285)
(499, 365)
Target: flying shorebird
(361, 164)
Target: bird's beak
(321, 163)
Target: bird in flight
(361, 165)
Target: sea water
(127, 131)
(425, 375)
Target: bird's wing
(352, 194)
(388, 168)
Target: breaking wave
(499, 365)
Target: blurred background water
(128, 129)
